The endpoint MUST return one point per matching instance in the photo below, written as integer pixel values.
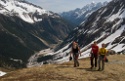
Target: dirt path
(114, 71)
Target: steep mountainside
(25, 29)
(78, 15)
(105, 26)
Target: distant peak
(93, 2)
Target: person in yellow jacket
(102, 56)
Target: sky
(58, 6)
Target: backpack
(106, 59)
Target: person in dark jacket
(75, 51)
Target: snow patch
(119, 48)
(33, 59)
(123, 14)
(2, 73)
(114, 35)
(117, 15)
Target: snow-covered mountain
(26, 29)
(78, 15)
(24, 10)
(106, 25)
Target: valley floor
(114, 71)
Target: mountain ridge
(79, 15)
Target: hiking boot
(95, 68)
(78, 65)
(91, 67)
(74, 65)
(102, 69)
(99, 69)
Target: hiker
(75, 51)
(94, 54)
(102, 56)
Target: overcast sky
(62, 5)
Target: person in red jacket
(94, 54)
